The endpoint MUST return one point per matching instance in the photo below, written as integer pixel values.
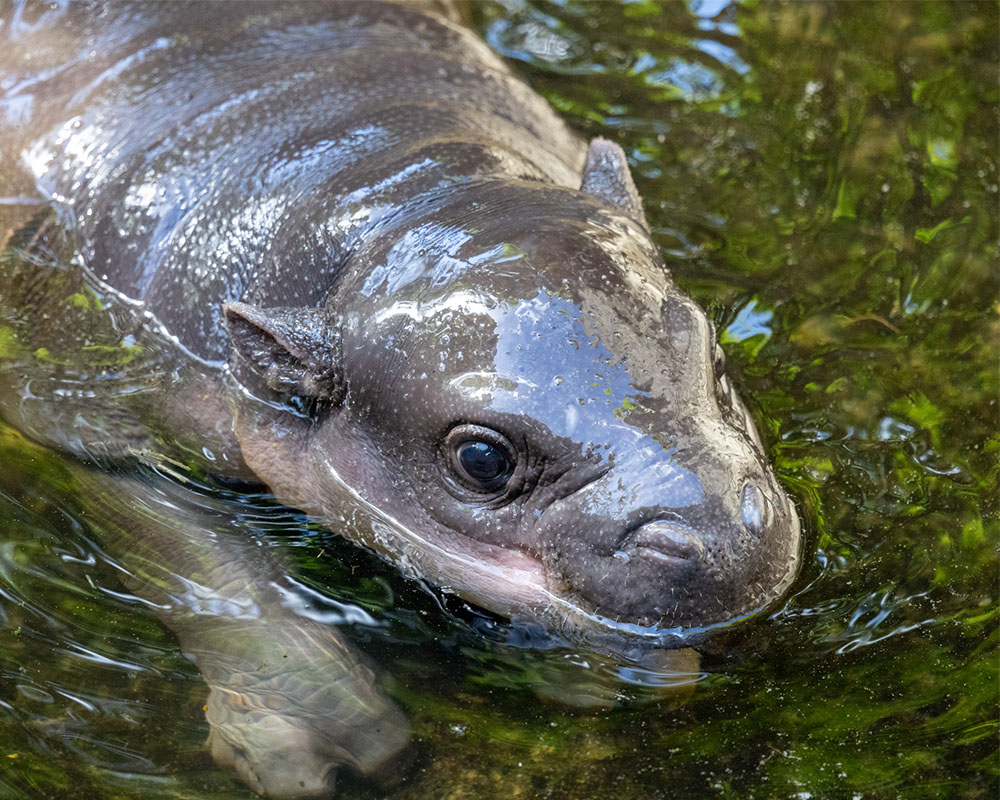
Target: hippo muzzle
(650, 546)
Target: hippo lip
(663, 540)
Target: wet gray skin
(350, 256)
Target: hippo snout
(711, 557)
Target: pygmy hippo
(339, 249)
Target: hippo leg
(290, 700)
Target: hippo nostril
(664, 540)
(755, 509)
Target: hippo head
(509, 396)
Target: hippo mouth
(519, 584)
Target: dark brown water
(823, 178)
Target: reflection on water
(86, 674)
(823, 178)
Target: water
(823, 178)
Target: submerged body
(339, 249)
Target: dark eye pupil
(482, 461)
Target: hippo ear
(295, 350)
(606, 176)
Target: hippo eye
(482, 462)
(480, 458)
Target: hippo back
(198, 157)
